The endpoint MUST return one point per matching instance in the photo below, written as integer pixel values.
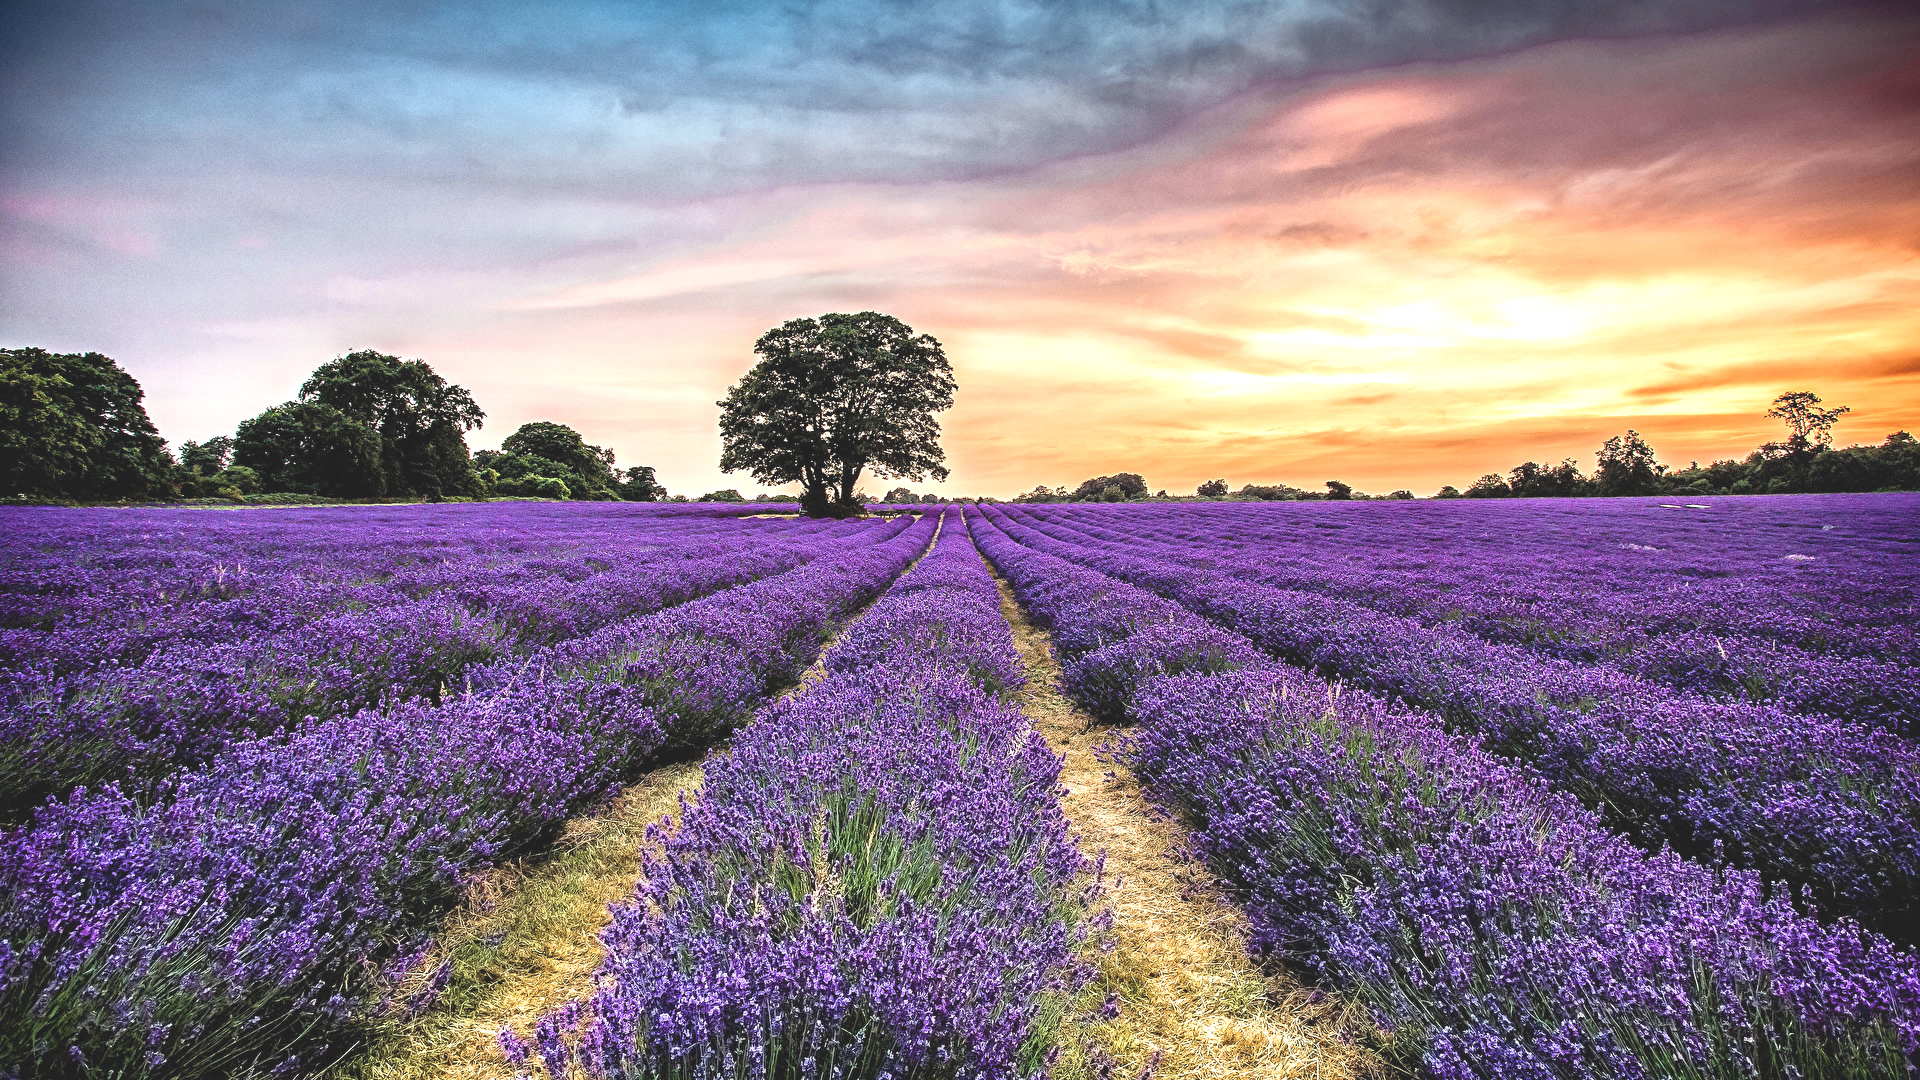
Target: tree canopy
(543, 449)
(1124, 485)
(640, 485)
(419, 417)
(1809, 426)
(833, 397)
(1627, 466)
(72, 426)
(311, 448)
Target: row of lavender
(175, 682)
(1808, 602)
(234, 916)
(1492, 923)
(1829, 804)
(877, 880)
(84, 589)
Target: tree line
(1805, 461)
(365, 426)
(831, 399)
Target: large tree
(1809, 426)
(834, 397)
(312, 449)
(419, 417)
(72, 425)
(1627, 466)
(640, 485)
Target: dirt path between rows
(1191, 999)
(527, 941)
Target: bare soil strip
(1192, 1002)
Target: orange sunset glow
(1403, 276)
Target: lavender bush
(1811, 800)
(228, 919)
(1495, 925)
(877, 881)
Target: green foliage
(544, 451)
(1212, 489)
(1272, 493)
(1805, 462)
(1809, 427)
(1532, 480)
(587, 470)
(207, 458)
(1447, 491)
(1627, 467)
(727, 495)
(833, 397)
(419, 417)
(204, 471)
(1123, 486)
(1490, 486)
(310, 448)
(640, 486)
(1339, 492)
(72, 426)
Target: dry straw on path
(1192, 1002)
(527, 941)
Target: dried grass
(1193, 1003)
(526, 942)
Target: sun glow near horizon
(1403, 277)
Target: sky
(1398, 243)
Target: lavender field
(1544, 788)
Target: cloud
(1402, 277)
(683, 100)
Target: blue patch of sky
(677, 100)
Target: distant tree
(1273, 493)
(834, 397)
(1627, 467)
(72, 426)
(1212, 489)
(587, 469)
(1403, 493)
(1490, 486)
(1338, 491)
(310, 448)
(236, 480)
(205, 469)
(420, 418)
(208, 457)
(899, 495)
(640, 486)
(1130, 486)
(1041, 493)
(1533, 480)
(727, 495)
(1447, 491)
(1809, 426)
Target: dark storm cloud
(686, 99)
